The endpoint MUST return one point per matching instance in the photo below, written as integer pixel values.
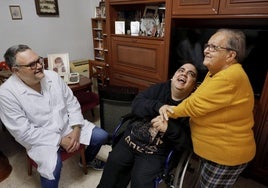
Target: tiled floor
(72, 175)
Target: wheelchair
(185, 174)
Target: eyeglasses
(214, 48)
(33, 65)
(188, 73)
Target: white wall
(68, 33)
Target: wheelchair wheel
(187, 172)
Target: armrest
(121, 123)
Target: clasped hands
(161, 122)
(71, 141)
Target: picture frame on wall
(47, 7)
(15, 12)
(60, 64)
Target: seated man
(42, 114)
(141, 153)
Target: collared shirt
(38, 121)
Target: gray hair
(10, 55)
(237, 41)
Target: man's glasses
(33, 65)
(214, 48)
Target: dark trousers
(125, 164)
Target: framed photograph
(135, 28)
(97, 12)
(60, 64)
(15, 12)
(47, 7)
(102, 9)
(148, 26)
(150, 12)
(119, 27)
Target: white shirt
(39, 121)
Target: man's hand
(71, 141)
(164, 110)
(159, 124)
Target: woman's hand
(164, 110)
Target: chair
(5, 167)
(64, 155)
(99, 71)
(115, 101)
(187, 172)
(3, 66)
(89, 99)
(184, 175)
(4, 72)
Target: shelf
(99, 49)
(99, 39)
(99, 58)
(139, 37)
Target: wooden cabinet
(193, 7)
(134, 1)
(100, 39)
(243, 7)
(139, 60)
(219, 7)
(259, 166)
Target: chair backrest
(5, 72)
(115, 101)
(3, 66)
(99, 71)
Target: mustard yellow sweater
(221, 117)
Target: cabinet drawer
(195, 7)
(217, 7)
(130, 80)
(244, 7)
(143, 58)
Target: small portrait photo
(15, 12)
(150, 12)
(97, 12)
(102, 9)
(59, 63)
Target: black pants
(125, 164)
